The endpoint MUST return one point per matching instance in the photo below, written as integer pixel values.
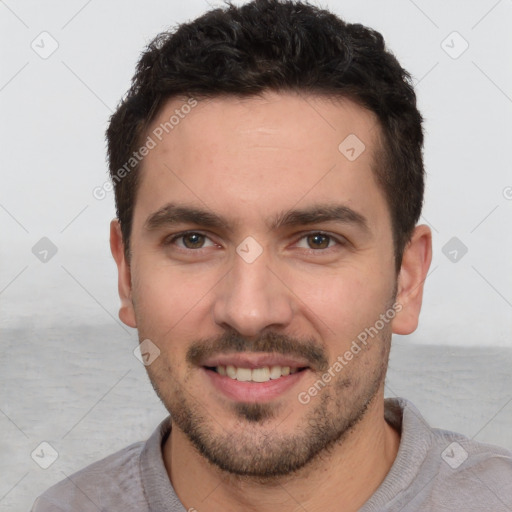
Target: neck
(343, 478)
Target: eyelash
(339, 240)
(173, 238)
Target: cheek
(167, 308)
(343, 303)
(169, 299)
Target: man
(267, 164)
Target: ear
(126, 311)
(413, 272)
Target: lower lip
(253, 391)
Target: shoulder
(460, 472)
(114, 479)
(469, 474)
(464, 458)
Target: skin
(248, 161)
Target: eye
(317, 241)
(191, 240)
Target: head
(267, 165)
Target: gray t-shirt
(434, 470)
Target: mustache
(269, 342)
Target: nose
(253, 297)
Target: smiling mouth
(261, 374)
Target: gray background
(67, 372)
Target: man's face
(259, 248)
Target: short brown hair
(279, 45)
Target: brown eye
(318, 241)
(189, 240)
(193, 240)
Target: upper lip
(255, 360)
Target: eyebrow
(321, 213)
(171, 214)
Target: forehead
(261, 153)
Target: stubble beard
(255, 448)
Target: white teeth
(263, 374)
(243, 374)
(275, 372)
(260, 374)
(231, 371)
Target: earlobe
(413, 272)
(126, 311)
